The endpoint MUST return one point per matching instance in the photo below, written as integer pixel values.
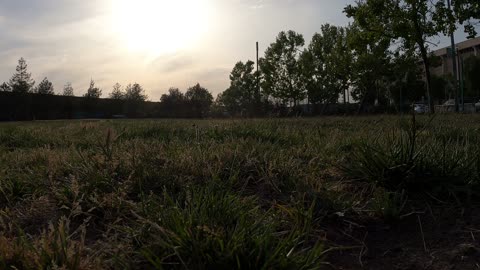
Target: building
(465, 49)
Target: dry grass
(256, 194)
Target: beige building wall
(466, 49)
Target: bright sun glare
(157, 27)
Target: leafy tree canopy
(200, 99)
(414, 23)
(135, 92)
(243, 95)
(282, 75)
(327, 64)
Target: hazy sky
(157, 43)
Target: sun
(157, 27)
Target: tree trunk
(420, 40)
(362, 104)
(428, 76)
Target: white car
(477, 106)
(420, 108)
(450, 102)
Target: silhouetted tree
(173, 104)
(93, 92)
(4, 87)
(327, 65)
(135, 97)
(135, 92)
(68, 90)
(403, 76)
(174, 96)
(22, 81)
(200, 100)
(243, 95)
(282, 76)
(472, 76)
(464, 12)
(371, 67)
(117, 92)
(413, 22)
(45, 87)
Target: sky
(157, 43)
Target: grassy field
(380, 192)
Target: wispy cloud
(259, 4)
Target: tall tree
(370, 65)
(327, 65)
(174, 96)
(22, 81)
(408, 20)
(282, 75)
(135, 92)
(68, 90)
(414, 22)
(173, 104)
(243, 95)
(45, 87)
(405, 80)
(4, 87)
(117, 92)
(472, 78)
(200, 99)
(93, 92)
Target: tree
(174, 104)
(282, 76)
(93, 92)
(135, 92)
(68, 90)
(22, 81)
(406, 84)
(442, 87)
(466, 13)
(135, 97)
(327, 64)
(472, 78)
(243, 95)
(174, 96)
(413, 22)
(409, 21)
(371, 65)
(4, 87)
(117, 92)
(200, 100)
(45, 87)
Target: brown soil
(438, 239)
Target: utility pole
(258, 97)
(257, 57)
(258, 74)
(454, 64)
(460, 76)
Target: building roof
(470, 43)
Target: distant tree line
(21, 100)
(381, 61)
